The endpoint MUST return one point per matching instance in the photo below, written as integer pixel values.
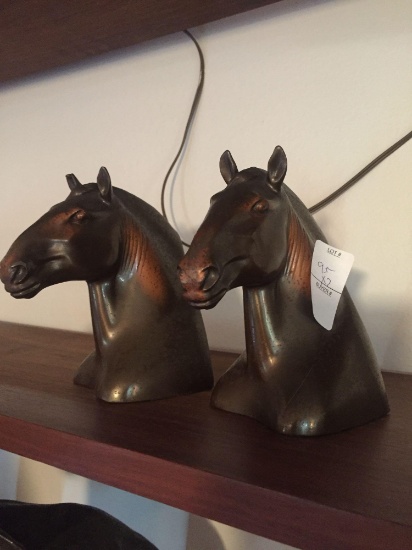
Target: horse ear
(104, 183)
(73, 182)
(277, 167)
(228, 167)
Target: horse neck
(133, 291)
(266, 307)
(260, 323)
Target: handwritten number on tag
(330, 270)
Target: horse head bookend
(295, 376)
(149, 343)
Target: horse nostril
(18, 272)
(198, 278)
(181, 273)
(211, 275)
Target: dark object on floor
(64, 527)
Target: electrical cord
(192, 114)
(330, 198)
(316, 207)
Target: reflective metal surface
(150, 343)
(294, 376)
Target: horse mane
(146, 234)
(303, 231)
(151, 222)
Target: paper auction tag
(329, 272)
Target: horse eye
(78, 217)
(260, 206)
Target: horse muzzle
(17, 279)
(200, 285)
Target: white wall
(330, 81)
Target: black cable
(321, 204)
(360, 174)
(192, 113)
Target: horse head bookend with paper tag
(149, 343)
(295, 376)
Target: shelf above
(43, 35)
(343, 491)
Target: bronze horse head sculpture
(295, 376)
(149, 343)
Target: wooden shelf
(347, 491)
(44, 34)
